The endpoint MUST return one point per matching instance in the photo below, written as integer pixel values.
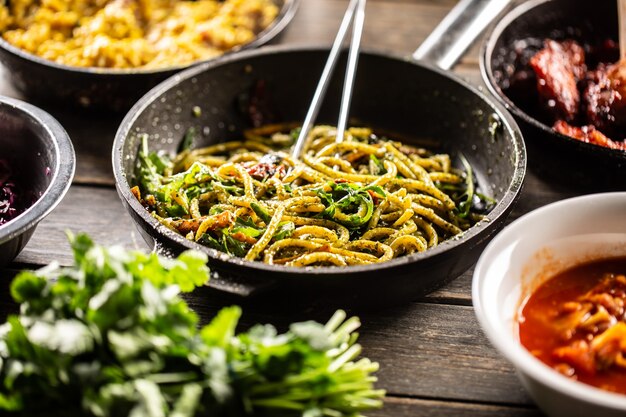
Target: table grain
(434, 359)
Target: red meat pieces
(617, 75)
(605, 98)
(587, 134)
(558, 67)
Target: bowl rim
(506, 344)
(486, 71)
(61, 175)
(285, 15)
(503, 206)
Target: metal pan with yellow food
(106, 55)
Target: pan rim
(486, 72)
(284, 17)
(475, 232)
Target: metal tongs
(356, 12)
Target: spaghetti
(361, 201)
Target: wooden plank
(438, 351)
(92, 135)
(397, 26)
(409, 407)
(425, 350)
(97, 211)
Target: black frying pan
(395, 94)
(103, 88)
(550, 154)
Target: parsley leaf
(110, 335)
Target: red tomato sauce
(576, 323)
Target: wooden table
(434, 359)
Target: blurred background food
(133, 33)
(576, 87)
(553, 63)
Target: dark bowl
(557, 157)
(40, 146)
(392, 94)
(101, 88)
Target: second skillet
(395, 94)
(552, 155)
(109, 89)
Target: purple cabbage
(8, 194)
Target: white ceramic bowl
(525, 254)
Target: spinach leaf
(150, 167)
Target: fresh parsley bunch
(110, 336)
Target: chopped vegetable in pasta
(362, 201)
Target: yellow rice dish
(132, 33)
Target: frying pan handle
(458, 30)
(226, 282)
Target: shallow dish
(101, 88)
(41, 145)
(524, 255)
